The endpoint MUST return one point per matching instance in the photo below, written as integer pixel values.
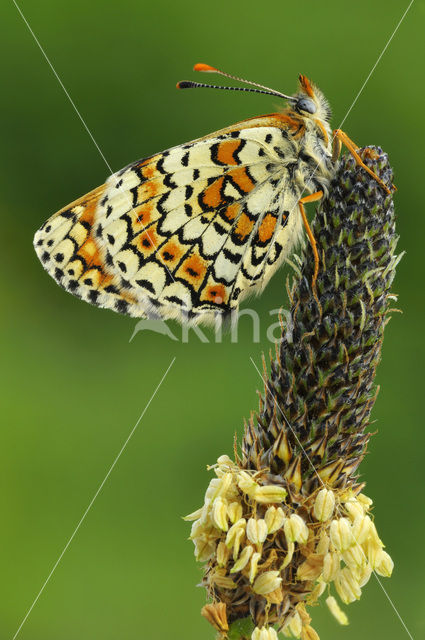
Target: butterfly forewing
(186, 233)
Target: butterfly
(190, 232)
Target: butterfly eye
(305, 104)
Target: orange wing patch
(232, 211)
(216, 293)
(149, 171)
(226, 151)
(193, 270)
(242, 179)
(171, 254)
(244, 226)
(89, 250)
(148, 190)
(267, 227)
(147, 242)
(143, 216)
(212, 196)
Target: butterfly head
(309, 101)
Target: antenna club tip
(200, 66)
(184, 84)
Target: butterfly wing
(186, 233)
(73, 256)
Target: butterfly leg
(340, 138)
(311, 198)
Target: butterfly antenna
(188, 84)
(200, 66)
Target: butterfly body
(190, 232)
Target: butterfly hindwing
(186, 233)
(72, 254)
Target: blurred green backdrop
(74, 386)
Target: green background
(73, 386)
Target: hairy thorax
(316, 168)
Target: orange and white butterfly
(189, 232)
